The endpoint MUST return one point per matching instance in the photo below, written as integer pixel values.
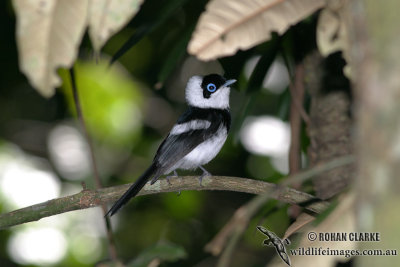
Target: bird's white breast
(204, 152)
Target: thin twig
(297, 93)
(299, 76)
(296, 106)
(292, 75)
(318, 169)
(111, 244)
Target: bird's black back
(210, 114)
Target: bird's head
(210, 91)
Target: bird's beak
(229, 82)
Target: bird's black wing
(175, 147)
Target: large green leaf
(159, 16)
(176, 54)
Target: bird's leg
(170, 176)
(174, 175)
(267, 242)
(205, 173)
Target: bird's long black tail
(133, 190)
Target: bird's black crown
(211, 83)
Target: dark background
(151, 77)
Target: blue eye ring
(211, 87)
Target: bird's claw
(171, 176)
(205, 173)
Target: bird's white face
(210, 91)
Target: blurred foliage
(111, 101)
(116, 106)
(162, 252)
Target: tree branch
(88, 198)
(296, 88)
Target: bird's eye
(211, 87)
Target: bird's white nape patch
(195, 97)
(190, 126)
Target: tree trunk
(330, 122)
(375, 56)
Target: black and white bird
(197, 136)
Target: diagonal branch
(88, 198)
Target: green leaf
(233, 65)
(164, 252)
(244, 112)
(160, 14)
(284, 104)
(176, 54)
(111, 101)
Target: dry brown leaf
(341, 220)
(229, 25)
(106, 17)
(302, 220)
(48, 36)
(329, 33)
(332, 33)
